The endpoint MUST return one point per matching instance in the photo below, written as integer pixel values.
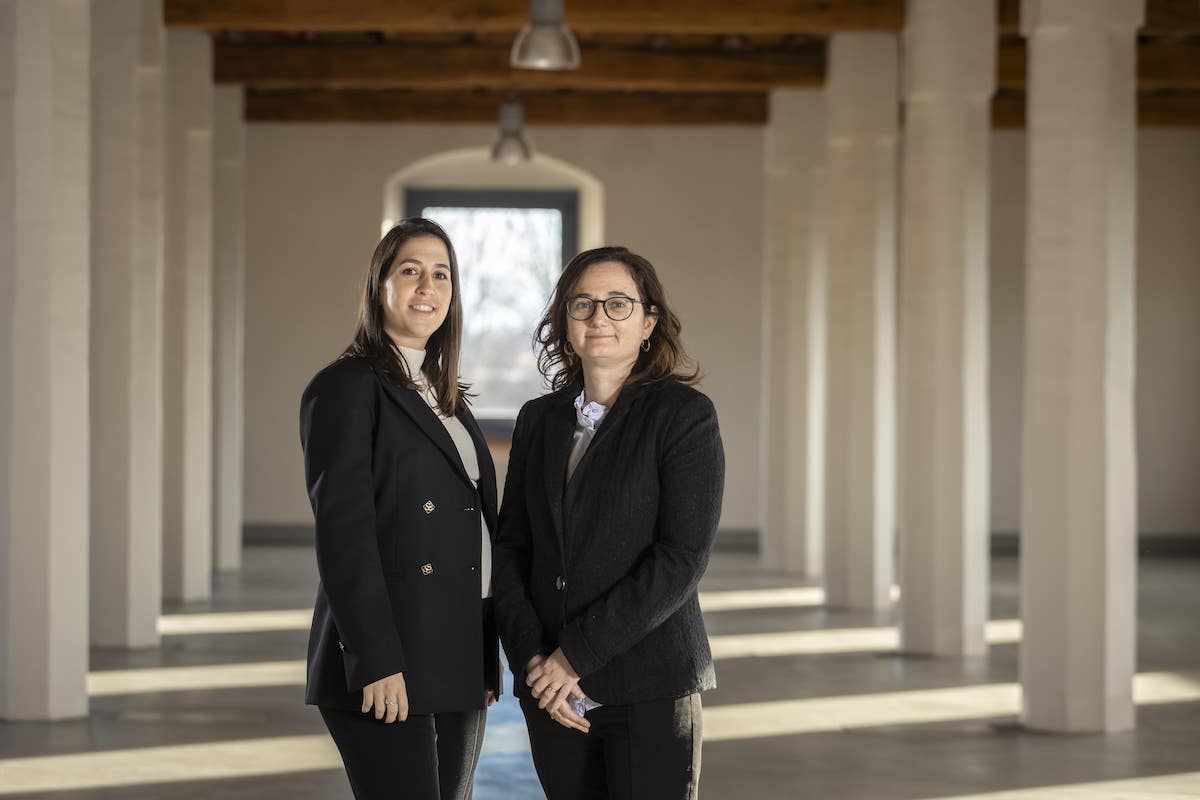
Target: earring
(646, 345)
(568, 349)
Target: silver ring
(387, 701)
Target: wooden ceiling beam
(1169, 109)
(476, 67)
(1174, 109)
(542, 108)
(1161, 65)
(584, 16)
(1155, 109)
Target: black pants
(426, 757)
(642, 751)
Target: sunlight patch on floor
(746, 599)
(1157, 787)
(834, 640)
(203, 678)
(288, 619)
(917, 707)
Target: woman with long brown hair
(610, 511)
(402, 655)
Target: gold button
(427, 569)
(429, 506)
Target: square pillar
(126, 324)
(795, 296)
(1079, 469)
(950, 69)
(45, 254)
(860, 511)
(188, 320)
(229, 324)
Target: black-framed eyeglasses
(619, 307)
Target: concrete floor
(811, 703)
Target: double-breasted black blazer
(607, 565)
(398, 545)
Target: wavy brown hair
(372, 343)
(666, 358)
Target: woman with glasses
(402, 655)
(610, 510)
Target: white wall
(1168, 328)
(689, 199)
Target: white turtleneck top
(414, 359)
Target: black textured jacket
(398, 545)
(607, 566)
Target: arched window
(513, 230)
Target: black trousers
(642, 751)
(426, 757)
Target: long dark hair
(371, 341)
(666, 358)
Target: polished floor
(811, 704)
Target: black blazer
(398, 545)
(607, 566)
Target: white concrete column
(1079, 476)
(229, 272)
(950, 75)
(863, 107)
(126, 375)
(188, 321)
(795, 296)
(45, 150)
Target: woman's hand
(388, 696)
(564, 713)
(533, 664)
(552, 680)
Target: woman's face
(417, 291)
(602, 341)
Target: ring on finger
(387, 701)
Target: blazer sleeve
(520, 628)
(337, 424)
(691, 484)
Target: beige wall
(1168, 328)
(690, 199)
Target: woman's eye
(443, 276)
(618, 305)
(409, 271)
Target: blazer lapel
(559, 430)
(487, 469)
(611, 421)
(414, 405)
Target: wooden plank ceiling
(669, 62)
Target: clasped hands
(552, 681)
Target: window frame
(566, 201)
